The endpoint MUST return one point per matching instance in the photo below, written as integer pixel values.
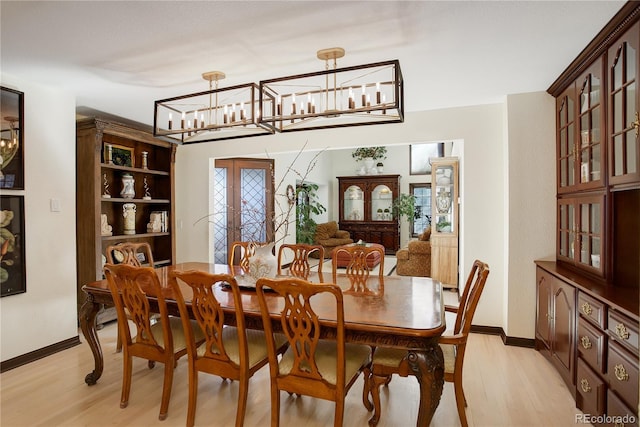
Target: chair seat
(257, 346)
(355, 356)
(179, 343)
(392, 357)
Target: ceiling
(121, 56)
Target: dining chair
(240, 253)
(325, 369)
(231, 352)
(130, 253)
(162, 341)
(299, 265)
(389, 361)
(358, 270)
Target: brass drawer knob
(620, 372)
(584, 385)
(622, 332)
(586, 308)
(586, 342)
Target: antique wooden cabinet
(444, 224)
(106, 152)
(365, 205)
(597, 267)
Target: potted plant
(373, 153)
(305, 224)
(404, 205)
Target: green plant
(305, 224)
(404, 205)
(374, 153)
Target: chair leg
(193, 395)
(242, 401)
(366, 389)
(375, 382)
(166, 389)
(461, 402)
(126, 379)
(339, 415)
(275, 405)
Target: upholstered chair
(328, 236)
(415, 259)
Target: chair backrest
(301, 326)
(358, 270)
(299, 265)
(470, 297)
(240, 253)
(129, 286)
(135, 254)
(209, 316)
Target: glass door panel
(566, 139)
(353, 204)
(591, 121)
(381, 199)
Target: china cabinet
(444, 223)
(365, 205)
(125, 185)
(590, 334)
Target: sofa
(415, 259)
(329, 237)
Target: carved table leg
(428, 368)
(88, 314)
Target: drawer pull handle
(622, 332)
(584, 385)
(586, 308)
(586, 342)
(620, 372)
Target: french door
(242, 203)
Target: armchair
(415, 259)
(329, 237)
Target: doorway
(242, 203)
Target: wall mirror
(11, 139)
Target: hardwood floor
(504, 385)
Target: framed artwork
(11, 139)
(419, 155)
(119, 155)
(12, 256)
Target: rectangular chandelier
(351, 96)
(216, 114)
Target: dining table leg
(88, 313)
(428, 367)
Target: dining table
(395, 311)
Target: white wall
(46, 313)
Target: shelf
(135, 170)
(122, 200)
(134, 236)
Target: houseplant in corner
(368, 155)
(404, 205)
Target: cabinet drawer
(590, 390)
(591, 345)
(619, 413)
(622, 373)
(623, 329)
(592, 309)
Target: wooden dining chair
(324, 369)
(240, 253)
(130, 253)
(389, 361)
(299, 265)
(162, 341)
(231, 352)
(358, 269)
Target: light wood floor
(504, 385)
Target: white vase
(128, 189)
(129, 214)
(263, 262)
(368, 164)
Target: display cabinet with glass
(365, 205)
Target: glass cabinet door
(565, 110)
(444, 198)
(591, 122)
(580, 231)
(624, 153)
(353, 204)
(381, 199)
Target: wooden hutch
(365, 209)
(588, 300)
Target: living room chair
(415, 259)
(231, 352)
(162, 341)
(389, 361)
(135, 254)
(299, 265)
(330, 237)
(358, 269)
(325, 369)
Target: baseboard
(496, 330)
(38, 354)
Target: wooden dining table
(402, 312)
